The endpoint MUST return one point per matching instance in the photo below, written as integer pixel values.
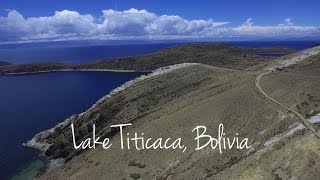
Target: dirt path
(286, 63)
(301, 117)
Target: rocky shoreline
(38, 141)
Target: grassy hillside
(290, 157)
(172, 104)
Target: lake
(32, 103)
(76, 54)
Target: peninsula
(174, 99)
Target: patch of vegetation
(279, 145)
(312, 98)
(135, 176)
(67, 168)
(134, 163)
(305, 103)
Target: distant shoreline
(214, 54)
(72, 70)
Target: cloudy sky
(39, 20)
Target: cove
(33, 103)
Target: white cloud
(287, 22)
(175, 25)
(128, 22)
(134, 24)
(284, 30)
(248, 22)
(62, 23)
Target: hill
(172, 101)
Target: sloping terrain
(294, 154)
(297, 86)
(171, 105)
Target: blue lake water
(76, 54)
(32, 103)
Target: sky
(44, 20)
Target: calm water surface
(77, 54)
(32, 103)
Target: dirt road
(286, 63)
(301, 117)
